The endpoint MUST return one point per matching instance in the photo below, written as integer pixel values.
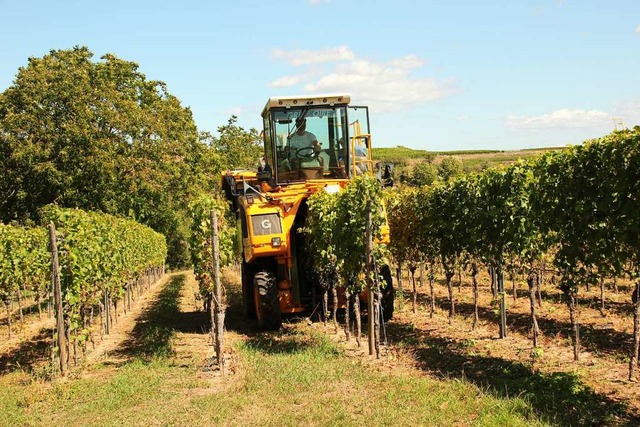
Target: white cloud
(638, 29)
(287, 81)
(384, 86)
(306, 57)
(317, 2)
(560, 119)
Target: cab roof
(300, 101)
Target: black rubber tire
(248, 304)
(266, 300)
(388, 293)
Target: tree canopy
(101, 136)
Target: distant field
(473, 160)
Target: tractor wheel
(265, 291)
(248, 303)
(388, 293)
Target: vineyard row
(101, 260)
(575, 210)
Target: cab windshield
(310, 143)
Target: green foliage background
(101, 136)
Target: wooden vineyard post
(217, 311)
(106, 312)
(57, 296)
(501, 295)
(370, 291)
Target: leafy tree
(98, 136)
(236, 147)
(424, 173)
(450, 167)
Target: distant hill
(473, 160)
(401, 152)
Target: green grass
(399, 153)
(297, 376)
(300, 377)
(404, 153)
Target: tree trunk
(474, 282)
(20, 308)
(615, 284)
(325, 306)
(357, 318)
(39, 308)
(449, 273)
(432, 297)
(531, 281)
(539, 282)
(603, 311)
(347, 331)
(49, 306)
(7, 305)
(102, 322)
(459, 279)
(633, 363)
(128, 297)
(399, 277)
(514, 286)
(414, 293)
(492, 275)
(421, 274)
(67, 335)
(107, 317)
(501, 299)
(334, 303)
(92, 336)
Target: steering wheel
(305, 152)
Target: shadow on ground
(29, 353)
(156, 325)
(284, 341)
(593, 338)
(557, 398)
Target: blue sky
(437, 75)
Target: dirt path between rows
(105, 350)
(31, 348)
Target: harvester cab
(311, 144)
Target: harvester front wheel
(388, 293)
(265, 290)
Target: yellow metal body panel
(285, 203)
(259, 198)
